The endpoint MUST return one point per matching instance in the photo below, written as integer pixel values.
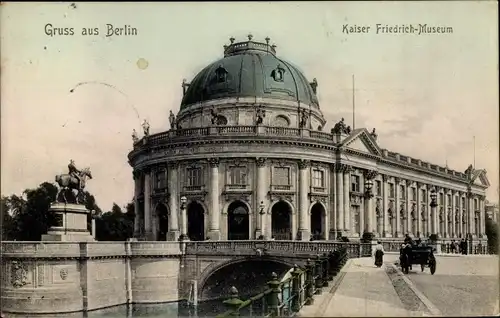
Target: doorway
(238, 221)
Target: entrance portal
(317, 222)
(281, 221)
(196, 221)
(162, 217)
(238, 223)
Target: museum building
(247, 157)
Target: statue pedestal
(71, 223)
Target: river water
(172, 309)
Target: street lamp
(261, 208)
(433, 205)
(183, 236)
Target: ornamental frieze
(304, 164)
(318, 198)
(195, 196)
(19, 274)
(242, 196)
(261, 162)
(370, 174)
(355, 199)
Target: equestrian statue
(74, 180)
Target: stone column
(347, 201)
(137, 209)
(147, 205)
(460, 216)
(397, 230)
(482, 220)
(214, 225)
(417, 210)
(429, 215)
(304, 232)
(339, 195)
(453, 233)
(470, 213)
(173, 202)
(385, 206)
(333, 203)
(446, 206)
(362, 210)
(409, 224)
(261, 196)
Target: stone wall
(50, 277)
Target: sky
(427, 95)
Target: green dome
(250, 69)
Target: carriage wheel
(432, 265)
(422, 266)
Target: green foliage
(492, 235)
(26, 217)
(116, 225)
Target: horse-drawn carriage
(422, 255)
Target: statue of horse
(68, 182)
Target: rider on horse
(74, 172)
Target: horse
(68, 182)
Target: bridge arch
(196, 228)
(281, 220)
(317, 212)
(162, 217)
(216, 280)
(238, 220)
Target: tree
(492, 235)
(116, 225)
(27, 217)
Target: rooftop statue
(259, 116)
(303, 118)
(135, 137)
(74, 180)
(214, 115)
(145, 127)
(374, 134)
(171, 119)
(341, 128)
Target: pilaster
(173, 202)
(304, 232)
(339, 195)
(261, 196)
(215, 213)
(147, 205)
(137, 209)
(417, 210)
(333, 211)
(409, 224)
(397, 231)
(385, 211)
(347, 200)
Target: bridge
(48, 277)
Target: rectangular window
(414, 194)
(318, 178)
(424, 196)
(354, 183)
(391, 190)
(441, 199)
(194, 177)
(463, 203)
(238, 176)
(281, 176)
(161, 180)
(476, 204)
(457, 201)
(449, 199)
(402, 193)
(379, 188)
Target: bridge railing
(300, 248)
(284, 299)
(445, 247)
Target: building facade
(247, 156)
(492, 211)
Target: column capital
(260, 161)
(332, 167)
(385, 178)
(409, 183)
(348, 168)
(304, 164)
(397, 180)
(146, 170)
(213, 162)
(370, 174)
(454, 192)
(136, 174)
(172, 164)
(470, 195)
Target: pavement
(462, 286)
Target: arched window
(281, 121)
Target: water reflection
(172, 309)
